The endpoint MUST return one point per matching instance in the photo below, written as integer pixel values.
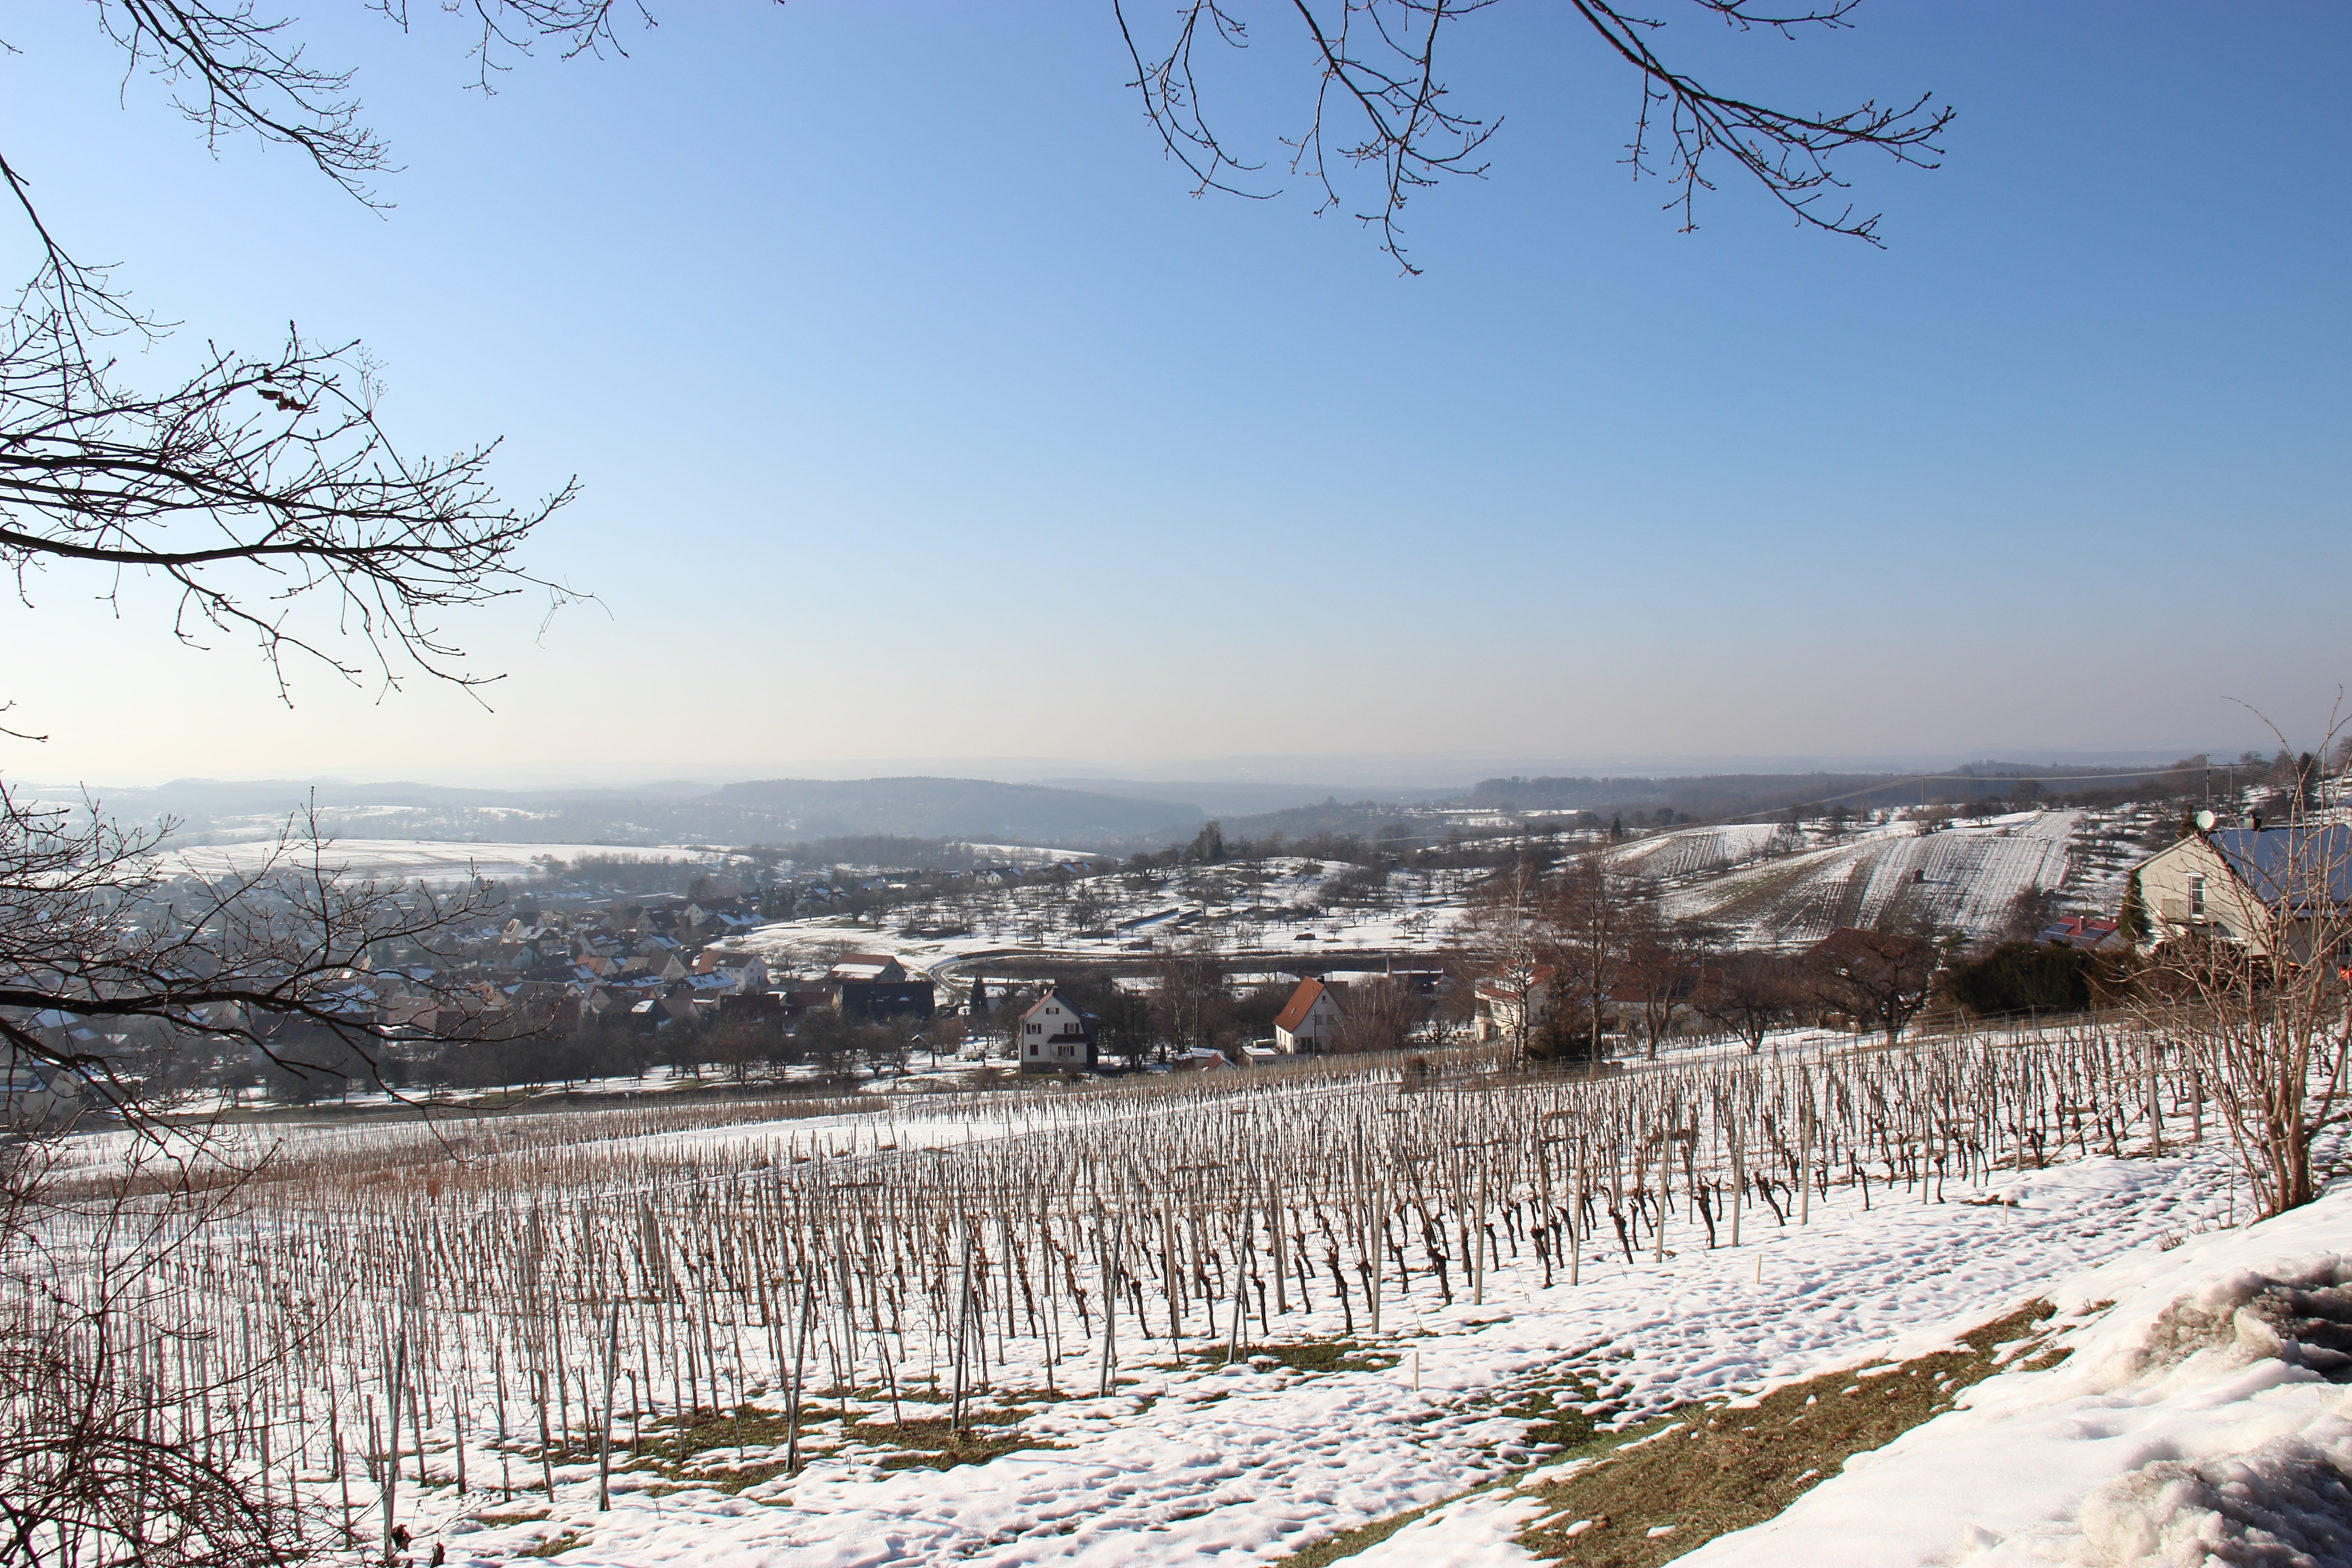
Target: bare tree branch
(1381, 104)
(259, 483)
(98, 927)
(253, 484)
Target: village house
(744, 972)
(2261, 887)
(1511, 1001)
(1310, 1021)
(1053, 1036)
(873, 986)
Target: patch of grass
(1348, 1542)
(758, 1428)
(740, 1478)
(1557, 1429)
(553, 1544)
(1728, 1469)
(916, 1443)
(935, 1443)
(1315, 1356)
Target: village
(1211, 956)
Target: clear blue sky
(923, 415)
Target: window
(2197, 896)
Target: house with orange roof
(1310, 1021)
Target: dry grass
(1720, 1469)
(891, 1445)
(1319, 1355)
(1709, 1470)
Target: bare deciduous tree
(89, 1469)
(1506, 946)
(265, 491)
(1662, 964)
(1749, 994)
(2261, 1001)
(1589, 923)
(1880, 977)
(261, 483)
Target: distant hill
(1705, 796)
(1709, 797)
(961, 808)
(1237, 798)
(773, 811)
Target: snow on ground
(1696, 851)
(405, 859)
(2189, 1425)
(1964, 876)
(1189, 1465)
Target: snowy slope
(1965, 877)
(2186, 1428)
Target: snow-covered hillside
(1769, 887)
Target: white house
(1310, 1024)
(1053, 1036)
(2257, 887)
(1513, 998)
(747, 972)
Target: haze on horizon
(903, 442)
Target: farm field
(1179, 1323)
(407, 859)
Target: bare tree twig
(1377, 75)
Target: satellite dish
(2204, 820)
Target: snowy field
(2200, 1418)
(1283, 906)
(407, 859)
(1760, 885)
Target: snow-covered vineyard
(1185, 1321)
(1963, 876)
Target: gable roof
(1503, 985)
(2289, 864)
(1302, 1002)
(1076, 1023)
